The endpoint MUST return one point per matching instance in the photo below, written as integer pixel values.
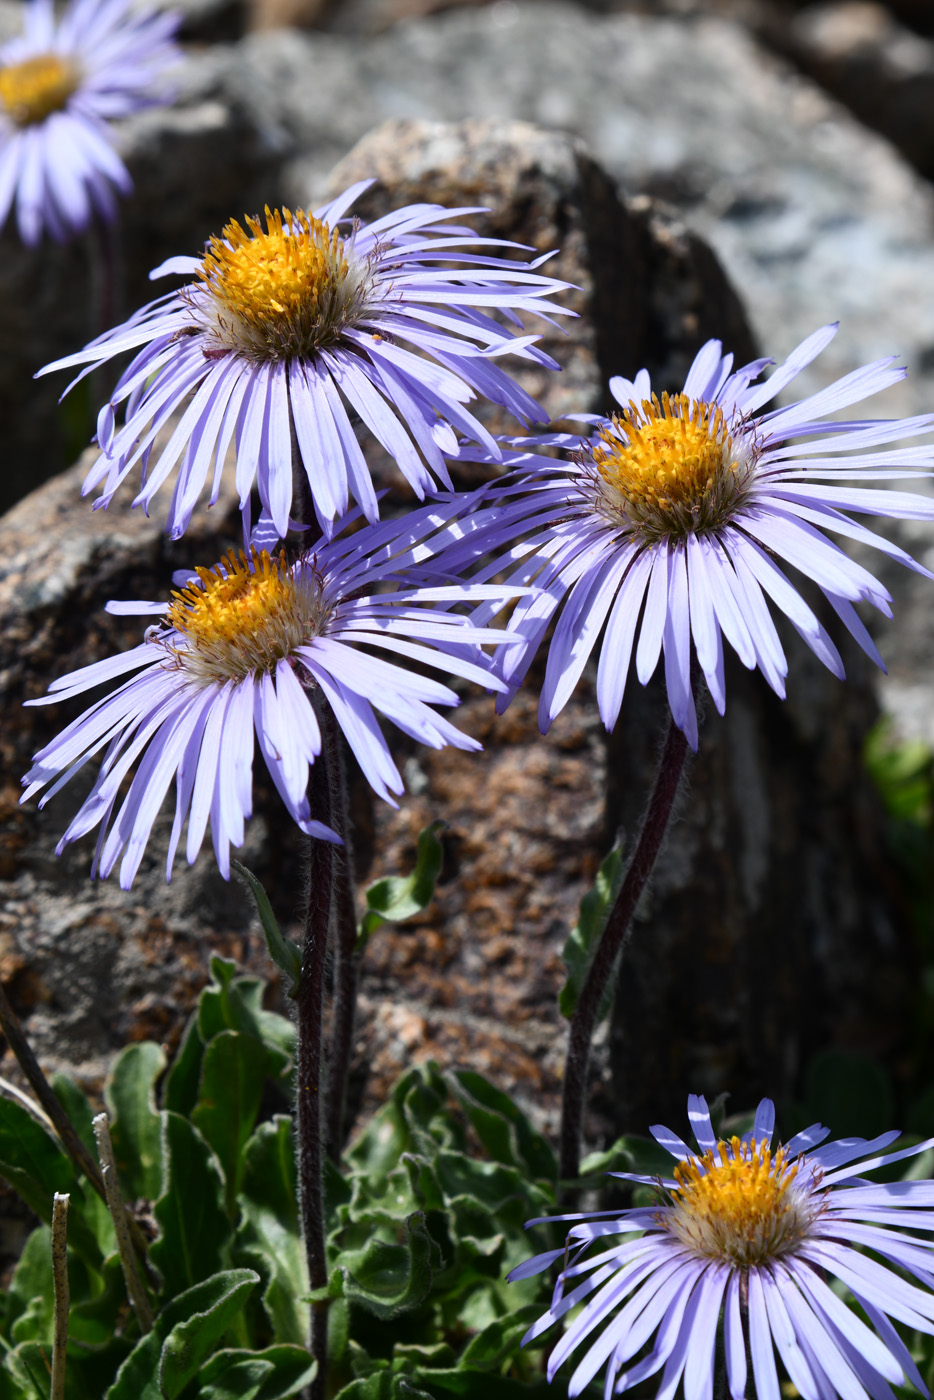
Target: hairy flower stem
(310, 1002)
(613, 942)
(346, 959)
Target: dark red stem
(612, 943)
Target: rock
(474, 978)
(883, 71)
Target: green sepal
(595, 908)
(286, 955)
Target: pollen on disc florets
(741, 1203)
(670, 467)
(244, 616)
(32, 90)
(284, 291)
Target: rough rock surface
(474, 979)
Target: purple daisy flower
(755, 1237)
(238, 651)
(287, 333)
(61, 84)
(665, 530)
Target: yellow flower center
(741, 1204)
(671, 467)
(244, 616)
(285, 291)
(30, 91)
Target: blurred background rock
(699, 169)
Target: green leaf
(399, 897)
(498, 1342)
(236, 1004)
(387, 1279)
(270, 1236)
(278, 1373)
(233, 1073)
(29, 1366)
(286, 955)
(139, 1377)
(595, 909)
(180, 1093)
(36, 1167)
(136, 1128)
(79, 1111)
(190, 1343)
(195, 1230)
(629, 1153)
(30, 1301)
(501, 1125)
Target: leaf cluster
(425, 1218)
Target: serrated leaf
(270, 1234)
(278, 1373)
(136, 1128)
(190, 1343)
(286, 955)
(194, 1226)
(388, 1279)
(233, 1074)
(595, 909)
(399, 897)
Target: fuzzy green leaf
(180, 1093)
(36, 1167)
(278, 1373)
(190, 1343)
(190, 1318)
(233, 1073)
(136, 1128)
(388, 1279)
(270, 1236)
(501, 1125)
(236, 1004)
(399, 897)
(190, 1212)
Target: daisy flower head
(668, 530)
(61, 85)
(291, 330)
(762, 1240)
(242, 655)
